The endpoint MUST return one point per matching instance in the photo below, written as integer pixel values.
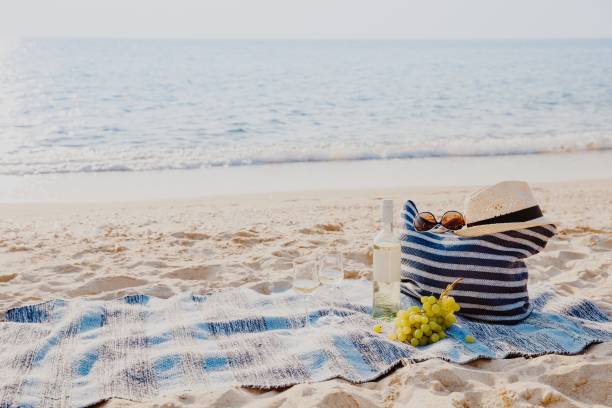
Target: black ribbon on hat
(527, 214)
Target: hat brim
(485, 229)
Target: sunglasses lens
(453, 220)
(424, 221)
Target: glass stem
(307, 321)
(332, 303)
(340, 298)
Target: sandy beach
(162, 248)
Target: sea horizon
(323, 39)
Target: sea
(76, 106)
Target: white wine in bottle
(387, 279)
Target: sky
(307, 19)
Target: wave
(59, 160)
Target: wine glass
(331, 273)
(305, 281)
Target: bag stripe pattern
(494, 285)
(77, 353)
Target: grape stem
(450, 287)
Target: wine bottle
(386, 277)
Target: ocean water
(99, 105)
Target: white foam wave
(78, 160)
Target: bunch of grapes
(420, 326)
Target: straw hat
(505, 206)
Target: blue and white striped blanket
(79, 352)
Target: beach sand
(162, 248)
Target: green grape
(434, 338)
(446, 302)
(436, 310)
(435, 326)
(450, 319)
(424, 319)
(454, 306)
(442, 335)
(414, 342)
(428, 310)
(418, 334)
(423, 341)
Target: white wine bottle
(387, 279)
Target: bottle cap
(387, 211)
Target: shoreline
(296, 177)
(266, 197)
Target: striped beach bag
(494, 285)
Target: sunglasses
(452, 220)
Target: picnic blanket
(79, 352)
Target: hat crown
(500, 199)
